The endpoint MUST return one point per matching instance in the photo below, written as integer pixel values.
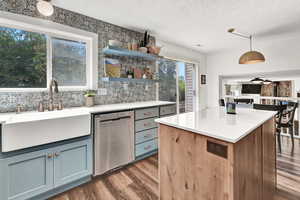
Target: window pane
(69, 62)
(167, 80)
(23, 59)
(182, 86)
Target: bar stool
(287, 121)
(280, 109)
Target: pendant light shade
(266, 82)
(45, 7)
(257, 80)
(252, 57)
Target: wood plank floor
(288, 170)
(140, 180)
(135, 182)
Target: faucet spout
(55, 84)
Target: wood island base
(196, 167)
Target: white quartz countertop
(127, 106)
(216, 123)
(10, 118)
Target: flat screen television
(251, 89)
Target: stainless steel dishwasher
(113, 141)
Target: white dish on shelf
(114, 43)
(143, 49)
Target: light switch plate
(102, 91)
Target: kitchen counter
(11, 118)
(17, 129)
(211, 155)
(215, 123)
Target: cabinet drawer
(167, 110)
(146, 147)
(146, 135)
(146, 113)
(145, 124)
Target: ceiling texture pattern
(190, 22)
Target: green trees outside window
(23, 59)
(24, 55)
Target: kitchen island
(211, 155)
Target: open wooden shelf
(107, 79)
(110, 50)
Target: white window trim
(53, 29)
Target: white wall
(181, 53)
(281, 55)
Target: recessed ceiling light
(199, 45)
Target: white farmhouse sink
(31, 129)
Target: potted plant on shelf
(89, 98)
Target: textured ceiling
(205, 22)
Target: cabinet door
(72, 162)
(27, 175)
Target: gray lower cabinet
(71, 162)
(146, 147)
(146, 129)
(30, 174)
(26, 175)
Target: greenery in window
(23, 59)
(69, 62)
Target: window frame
(55, 30)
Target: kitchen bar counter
(11, 118)
(215, 123)
(211, 155)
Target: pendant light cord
(232, 31)
(250, 42)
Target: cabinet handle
(147, 136)
(50, 155)
(147, 147)
(149, 113)
(56, 154)
(147, 124)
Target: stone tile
(106, 31)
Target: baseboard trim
(62, 189)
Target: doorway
(178, 84)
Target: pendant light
(45, 7)
(250, 57)
(266, 82)
(257, 80)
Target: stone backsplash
(117, 92)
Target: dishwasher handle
(108, 121)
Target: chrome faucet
(50, 103)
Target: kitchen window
(23, 59)
(30, 56)
(68, 62)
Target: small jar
(134, 45)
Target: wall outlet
(102, 91)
